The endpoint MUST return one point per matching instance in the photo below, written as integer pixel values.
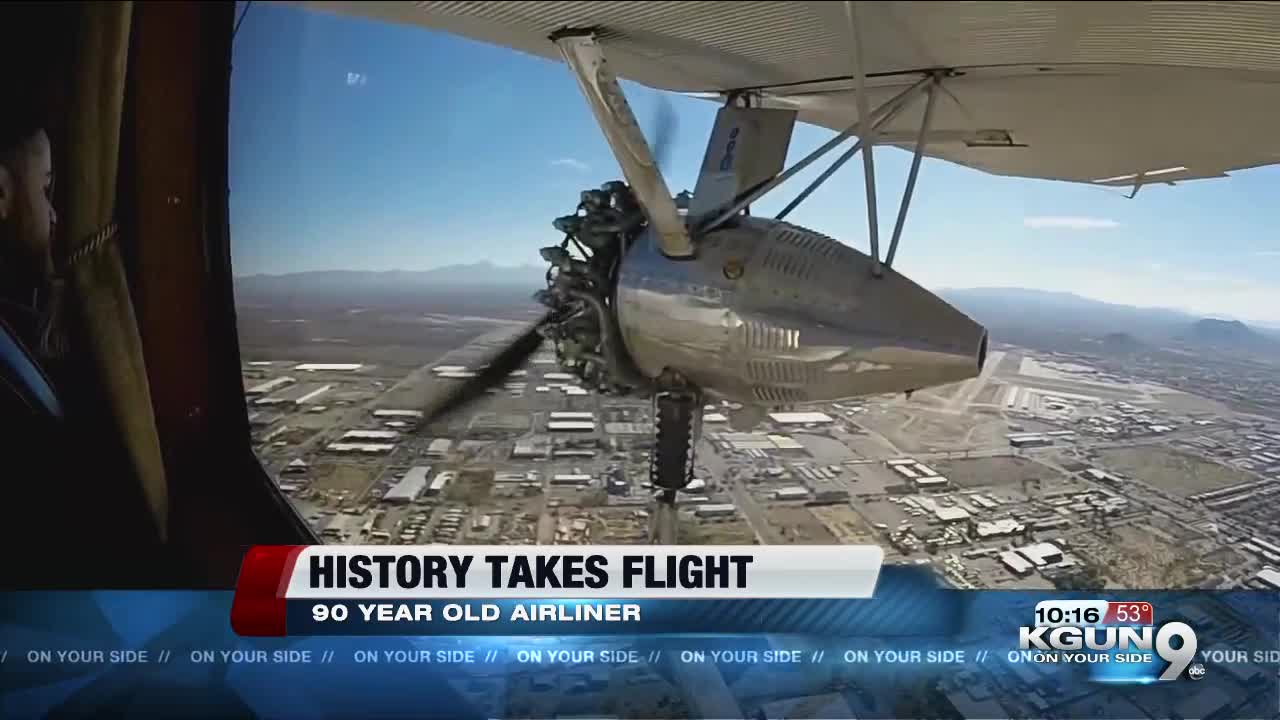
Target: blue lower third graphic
(934, 653)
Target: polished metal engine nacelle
(770, 314)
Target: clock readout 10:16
(1060, 613)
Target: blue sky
(360, 145)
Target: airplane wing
(1084, 92)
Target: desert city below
(1085, 457)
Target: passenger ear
(6, 192)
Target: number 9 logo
(1180, 657)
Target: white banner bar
(586, 572)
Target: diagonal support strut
(750, 197)
(921, 140)
(600, 87)
(840, 161)
(926, 125)
(868, 142)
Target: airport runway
(959, 402)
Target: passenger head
(27, 217)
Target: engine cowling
(769, 313)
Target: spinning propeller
(495, 372)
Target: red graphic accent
(258, 608)
(1134, 612)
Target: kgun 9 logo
(1104, 639)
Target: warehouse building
(578, 479)
(1016, 564)
(274, 433)
(440, 482)
(439, 448)
(329, 367)
(998, 528)
(370, 435)
(531, 449)
(312, 395)
(1230, 490)
(826, 491)
(360, 448)
(270, 401)
(409, 487)
(786, 443)
(394, 414)
(1029, 440)
(1102, 476)
(571, 426)
(1265, 546)
(1269, 577)
(930, 483)
(269, 386)
(951, 514)
(262, 418)
(814, 474)
(983, 501)
(906, 471)
(296, 466)
(794, 492)
(801, 418)
(746, 442)
(715, 510)
(1041, 554)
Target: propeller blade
(664, 131)
(510, 359)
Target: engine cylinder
(769, 313)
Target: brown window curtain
(94, 286)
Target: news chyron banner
(508, 633)
(502, 590)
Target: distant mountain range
(1122, 343)
(1017, 306)
(1120, 328)
(1229, 333)
(482, 274)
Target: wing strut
(869, 142)
(840, 161)
(932, 84)
(600, 87)
(921, 139)
(1137, 185)
(876, 120)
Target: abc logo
(1196, 671)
